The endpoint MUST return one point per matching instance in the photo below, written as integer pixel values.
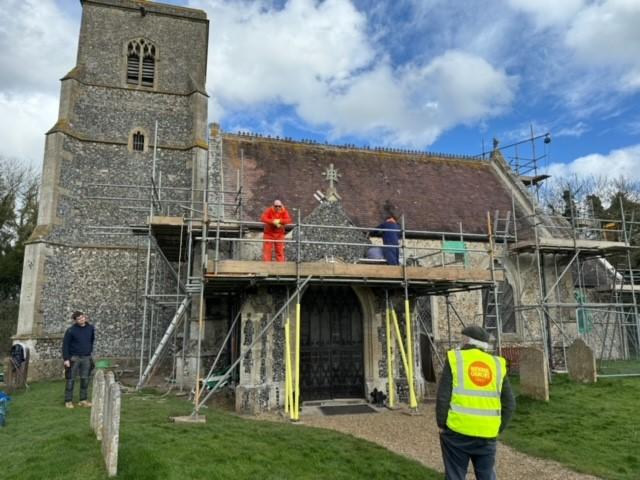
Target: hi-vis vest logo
(480, 374)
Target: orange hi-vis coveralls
(274, 220)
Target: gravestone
(8, 374)
(97, 403)
(534, 374)
(16, 368)
(581, 362)
(105, 418)
(109, 379)
(111, 437)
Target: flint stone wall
(83, 204)
(262, 368)
(331, 214)
(178, 39)
(94, 112)
(106, 284)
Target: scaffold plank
(237, 268)
(569, 244)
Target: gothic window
(506, 308)
(138, 142)
(141, 63)
(423, 315)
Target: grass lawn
(43, 440)
(591, 428)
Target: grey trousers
(458, 449)
(80, 367)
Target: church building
(149, 222)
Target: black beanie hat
(477, 333)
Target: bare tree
(19, 187)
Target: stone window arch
(138, 140)
(141, 63)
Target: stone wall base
(253, 400)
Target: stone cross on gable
(332, 175)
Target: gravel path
(416, 437)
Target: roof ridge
(351, 146)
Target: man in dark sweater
(77, 348)
(390, 236)
(474, 404)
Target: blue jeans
(80, 367)
(458, 449)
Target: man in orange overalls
(274, 218)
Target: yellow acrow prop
(392, 386)
(412, 394)
(296, 405)
(407, 316)
(288, 404)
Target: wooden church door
(331, 358)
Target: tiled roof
(435, 192)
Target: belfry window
(138, 142)
(141, 63)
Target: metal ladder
(501, 227)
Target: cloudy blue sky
(439, 75)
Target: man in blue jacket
(77, 348)
(390, 236)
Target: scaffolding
(177, 218)
(207, 238)
(586, 285)
(589, 258)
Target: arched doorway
(331, 358)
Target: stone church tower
(139, 64)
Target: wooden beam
(162, 220)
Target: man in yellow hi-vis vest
(474, 404)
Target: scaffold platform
(449, 277)
(569, 245)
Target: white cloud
(631, 80)
(317, 58)
(592, 51)
(465, 86)
(37, 45)
(261, 54)
(24, 119)
(607, 32)
(548, 12)
(605, 35)
(624, 162)
(576, 130)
